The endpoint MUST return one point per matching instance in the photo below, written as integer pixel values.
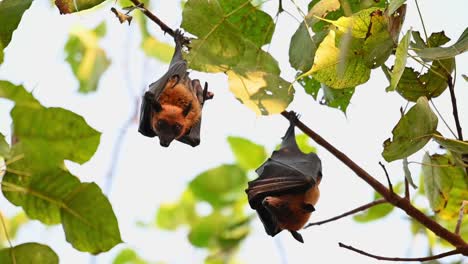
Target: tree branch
(439, 256)
(454, 107)
(156, 20)
(357, 210)
(390, 197)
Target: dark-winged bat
(286, 191)
(172, 107)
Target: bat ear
(297, 236)
(187, 109)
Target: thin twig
(392, 198)
(434, 257)
(407, 193)
(441, 117)
(421, 18)
(13, 257)
(460, 217)
(156, 20)
(357, 210)
(390, 186)
(454, 106)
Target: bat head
(169, 122)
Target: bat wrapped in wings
(172, 107)
(286, 191)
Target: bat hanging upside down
(286, 191)
(172, 107)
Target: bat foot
(179, 38)
(297, 236)
(293, 117)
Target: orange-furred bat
(286, 191)
(172, 107)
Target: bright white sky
(147, 175)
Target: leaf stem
(390, 197)
(356, 210)
(421, 18)
(441, 117)
(13, 257)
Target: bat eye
(161, 123)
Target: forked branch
(434, 257)
(164, 27)
(389, 196)
(354, 211)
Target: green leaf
(157, 49)
(311, 86)
(56, 195)
(41, 193)
(394, 5)
(221, 186)
(4, 147)
(418, 41)
(223, 29)
(303, 142)
(171, 216)
(438, 53)
(203, 233)
(11, 12)
(433, 83)
(64, 134)
(128, 256)
(87, 60)
(407, 172)
(336, 98)
(378, 211)
(218, 230)
(13, 224)
(355, 45)
(72, 6)
(374, 213)
(327, 59)
(17, 94)
(437, 39)
(444, 185)
(351, 7)
(454, 145)
(248, 154)
(88, 220)
(400, 61)
(412, 132)
(230, 36)
(28, 253)
(262, 92)
(378, 43)
(304, 46)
